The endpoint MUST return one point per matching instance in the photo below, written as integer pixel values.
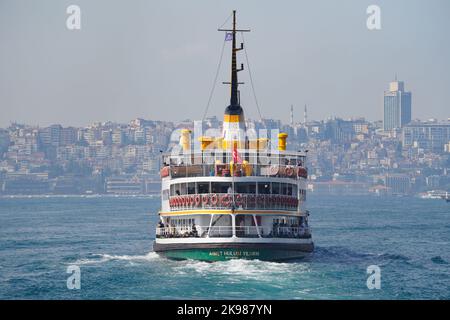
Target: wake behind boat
(238, 196)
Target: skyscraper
(397, 106)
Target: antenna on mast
(234, 107)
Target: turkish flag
(236, 158)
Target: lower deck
(227, 225)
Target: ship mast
(234, 108)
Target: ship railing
(236, 201)
(236, 170)
(227, 231)
(178, 232)
(285, 232)
(218, 231)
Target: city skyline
(53, 75)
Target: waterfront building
(429, 136)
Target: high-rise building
(397, 106)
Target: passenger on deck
(194, 231)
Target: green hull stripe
(228, 254)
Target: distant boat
(447, 198)
(434, 194)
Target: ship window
(289, 189)
(191, 188)
(175, 189)
(275, 188)
(203, 187)
(243, 187)
(220, 187)
(263, 187)
(294, 190)
(284, 188)
(182, 188)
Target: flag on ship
(236, 158)
(228, 36)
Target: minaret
(234, 122)
(292, 115)
(305, 115)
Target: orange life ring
(302, 173)
(260, 199)
(214, 199)
(289, 171)
(239, 200)
(205, 199)
(274, 169)
(225, 200)
(197, 200)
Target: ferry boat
(237, 196)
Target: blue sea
(110, 240)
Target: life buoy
(191, 200)
(260, 200)
(183, 200)
(214, 199)
(205, 199)
(197, 200)
(239, 200)
(302, 173)
(274, 170)
(225, 200)
(164, 172)
(289, 171)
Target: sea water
(110, 240)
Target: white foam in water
(101, 258)
(250, 269)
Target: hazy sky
(157, 59)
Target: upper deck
(219, 163)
